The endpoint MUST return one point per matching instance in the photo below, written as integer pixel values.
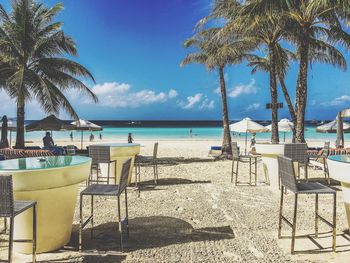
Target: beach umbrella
(50, 123)
(11, 126)
(284, 126)
(247, 125)
(4, 142)
(331, 127)
(85, 125)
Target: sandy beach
(195, 214)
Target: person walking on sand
(100, 136)
(130, 139)
(191, 132)
(92, 137)
(71, 136)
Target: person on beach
(100, 136)
(71, 136)
(253, 140)
(191, 132)
(92, 137)
(130, 139)
(48, 141)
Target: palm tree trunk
(226, 142)
(20, 124)
(301, 91)
(274, 97)
(289, 104)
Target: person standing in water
(100, 136)
(130, 139)
(71, 136)
(191, 132)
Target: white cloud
(119, 95)
(198, 101)
(337, 101)
(207, 104)
(253, 106)
(191, 101)
(242, 89)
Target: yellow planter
(54, 185)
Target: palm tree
(216, 54)
(34, 63)
(315, 27)
(282, 57)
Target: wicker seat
(101, 155)
(10, 208)
(298, 153)
(253, 162)
(106, 190)
(141, 159)
(288, 182)
(320, 160)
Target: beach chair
(10, 209)
(152, 160)
(101, 155)
(253, 163)
(288, 182)
(319, 160)
(106, 190)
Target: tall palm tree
(34, 63)
(216, 54)
(282, 57)
(315, 27)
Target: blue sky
(134, 48)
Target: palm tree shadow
(149, 232)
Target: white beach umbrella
(11, 126)
(247, 125)
(85, 125)
(331, 127)
(284, 126)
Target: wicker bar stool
(101, 155)
(141, 159)
(288, 182)
(106, 190)
(321, 158)
(253, 163)
(10, 209)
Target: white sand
(195, 214)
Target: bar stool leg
(250, 171)
(334, 221)
(81, 224)
(316, 216)
(92, 217)
(237, 164)
(280, 214)
(232, 170)
(294, 222)
(256, 170)
(34, 233)
(126, 213)
(120, 225)
(11, 239)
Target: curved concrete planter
(54, 185)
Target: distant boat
(134, 123)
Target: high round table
(339, 169)
(53, 182)
(120, 152)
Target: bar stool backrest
(286, 173)
(325, 151)
(155, 151)
(99, 154)
(296, 151)
(123, 181)
(235, 150)
(6, 196)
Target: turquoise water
(112, 133)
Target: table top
(340, 158)
(39, 163)
(118, 144)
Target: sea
(176, 130)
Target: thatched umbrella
(84, 125)
(4, 143)
(50, 123)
